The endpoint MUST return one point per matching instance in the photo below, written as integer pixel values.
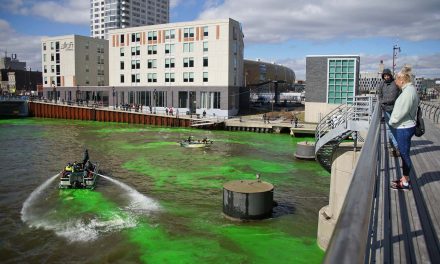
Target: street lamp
(113, 98)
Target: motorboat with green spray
(79, 175)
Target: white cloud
(280, 20)
(27, 48)
(64, 11)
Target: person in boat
(189, 139)
(86, 157)
(76, 167)
(205, 140)
(68, 169)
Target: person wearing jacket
(388, 93)
(403, 122)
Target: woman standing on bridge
(403, 122)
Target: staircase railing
(340, 124)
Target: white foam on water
(138, 201)
(81, 230)
(29, 202)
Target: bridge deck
(408, 222)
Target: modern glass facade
(341, 80)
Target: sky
(279, 31)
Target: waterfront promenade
(408, 222)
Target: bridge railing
(431, 111)
(349, 242)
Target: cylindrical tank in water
(247, 199)
(305, 150)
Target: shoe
(400, 186)
(398, 181)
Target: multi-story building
(332, 80)
(113, 14)
(12, 63)
(193, 66)
(74, 60)
(369, 81)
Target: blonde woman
(403, 123)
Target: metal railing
(345, 116)
(431, 111)
(349, 242)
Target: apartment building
(369, 81)
(113, 14)
(332, 80)
(192, 66)
(74, 60)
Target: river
(160, 203)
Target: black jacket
(388, 93)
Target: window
(121, 37)
(122, 78)
(138, 37)
(205, 77)
(135, 78)
(52, 57)
(169, 63)
(183, 99)
(52, 68)
(152, 49)
(188, 32)
(121, 51)
(152, 35)
(152, 64)
(45, 80)
(44, 46)
(152, 77)
(170, 34)
(341, 80)
(205, 46)
(87, 57)
(188, 77)
(135, 51)
(52, 46)
(45, 68)
(169, 48)
(205, 31)
(188, 47)
(169, 77)
(210, 100)
(122, 65)
(188, 62)
(44, 57)
(205, 61)
(135, 64)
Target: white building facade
(114, 14)
(195, 66)
(74, 60)
(369, 81)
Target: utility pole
(396, 50)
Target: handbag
(420, 124)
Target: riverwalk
(408, 222)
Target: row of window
(188, 62)
(169, 49)
(168, 77)
(208, 100)
(169, 35)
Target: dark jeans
(403, 137)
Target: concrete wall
(344, 162)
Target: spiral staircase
(341, 123)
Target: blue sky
(279, 31)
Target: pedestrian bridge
(377, 224)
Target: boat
(192, 143)
(79, 175)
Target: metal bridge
(376, 224)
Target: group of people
(399, 101)
(85, 166)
